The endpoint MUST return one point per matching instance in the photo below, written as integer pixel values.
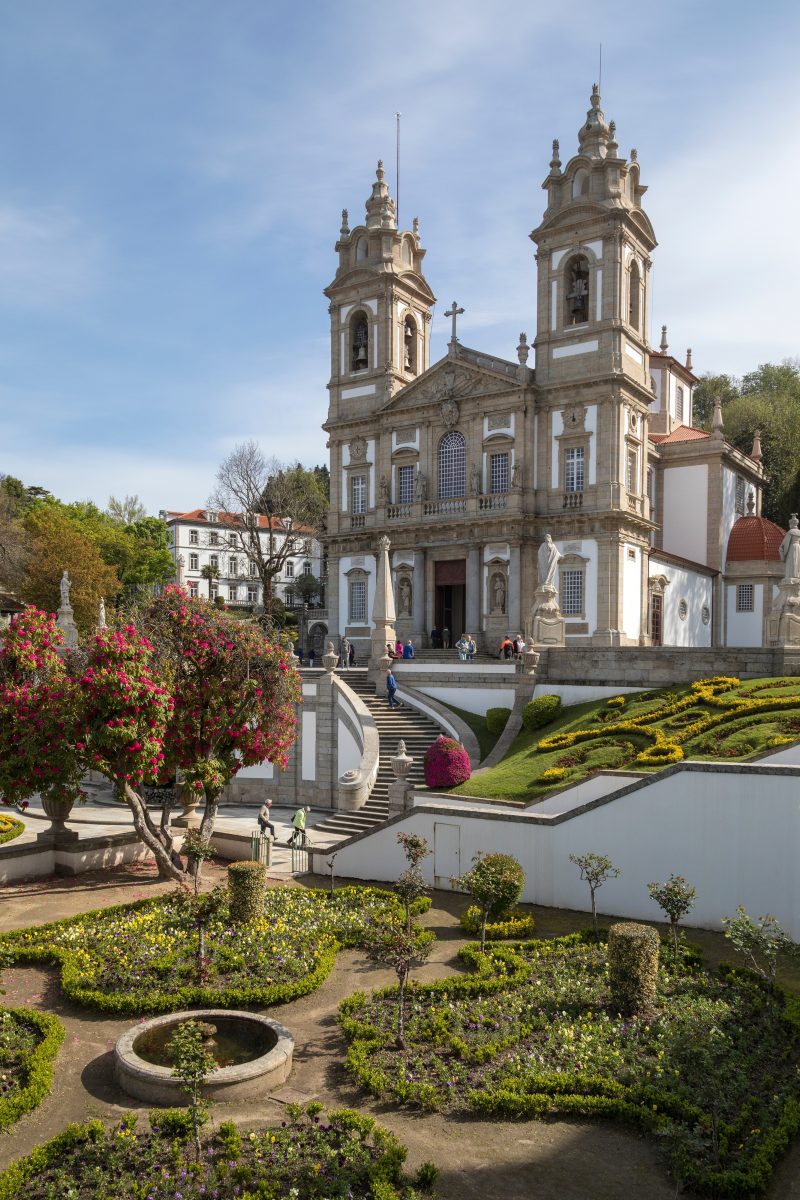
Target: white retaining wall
(732, 831)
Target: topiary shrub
(516, 924)
(495, 882)
(446, 763)
(633, 966)
(247, 886)
(497, 719)
(540, 711)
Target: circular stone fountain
(254, 1055)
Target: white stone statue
(548, 559)
(65, 586)
(420, 486)
(405, 593)
(101, 616)
(499, 589)
(790, 550)
(383, 489)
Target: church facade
(468, 463)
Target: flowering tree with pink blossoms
(187, 689)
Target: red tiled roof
(755, 539)
(198, 516)
(684, 433)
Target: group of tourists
(512, 647)
(298, 837)
(466, 647)
(399, 650)
(440, 639)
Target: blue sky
(172, 176)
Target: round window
(683, 610)
(706, 614)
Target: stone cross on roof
(454, 312)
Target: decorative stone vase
(330, 658)
(57, 810)
(190, 800)
(401, 763)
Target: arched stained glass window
(452, 466)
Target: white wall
(348, 749)
(474, 700)
(744, 628)
(579, 693)
(632, 592)
(685, 511)
(696, 590)
(586, 549)
(734, 834)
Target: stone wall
(661, 666)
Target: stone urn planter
(57, 811)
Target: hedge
(10, 828)
(497, 719)
(541, 711)
(39, 1079)
(247, 887)
(516, 925)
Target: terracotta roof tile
(683, 433)
(198, 515)
(755, 539)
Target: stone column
(332, 599)
(473, 600)
(383, 616)
(418, 599)
(514, 591)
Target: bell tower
(594, 245)
(380, 310)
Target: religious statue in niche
(420, 486)
(516, 476)
(475, 479)
(498, 592)
(547, 562)
(404, 596)
(383, 489)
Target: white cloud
(47, 258)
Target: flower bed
(29, 1043)
(10, 828)
(142, 958)
(532, 1032)
(308, 1157)
(516, 925)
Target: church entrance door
(451, 589)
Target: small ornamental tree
(410, 885)
(390, 943)
(193, 1063)
(495, 883)
(446, 763)
(761, 942)
(676, 899)
(189, 690)
(595, 869)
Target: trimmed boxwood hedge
(10, 828)
(541, 711)
(497, 719)
(515, 925)
(247, 887)
(39, 1067)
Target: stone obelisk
(383, 617)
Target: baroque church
(468, 463)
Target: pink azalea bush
(446, 763)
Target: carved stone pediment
(448, 384)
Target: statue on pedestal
(548, 559)
(65, 589)
(547, 623)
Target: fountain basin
(264, 1044)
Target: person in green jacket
(298, 837)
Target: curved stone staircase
(393, 724)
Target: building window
(745, 597)
(213, 561)
(499, 469)
(452, 466)
(405, 485)
(577, 291)
(410, 345)
(194, 537)
(358, 602)
(358, 494)
(252, 595)
(306, 568)
(573, 469)
(679, 404)
(193, 590)
(571, 591)
(214, 591)
(213, 539)
(634, 295)
(632, 479)
(253, 569)
(233, 567)
(289, 569)
(359, 342)
(740, 490)
(194, 562)
(288, 598)
(233, 592)
(231, 539)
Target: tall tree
(126, 511)
(13, 541)
(57, 544)
(272, 509)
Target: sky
(172, 177)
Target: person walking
(445, 638)
(351, 658)
(311, 656)
(391, 689)
(264, 822)
(344, 658)
(462, 645)
(298, 837)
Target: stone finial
(664, 346)
(345, 228)
(381, 210)
(755, 453)
(330, 658)
(634, 155)
(717, 424)
(613, 147)
(415, 226)
(523, 349)
(401, 762)
(379, 172)
(555, 161)
(689, 359)
(593, 134)
(751, 503)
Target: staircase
(415, 729)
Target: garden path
(526, 1160)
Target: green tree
(410, 885)
(58, 544)
(127, 511)
(762, 942)
(595, 869)
(710, 389)
(307, 586)
(495, 883)
(193, 1062)
(210, 573)
(390, 943)
(676, 899)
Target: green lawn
(726, 721)
(477, 724)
